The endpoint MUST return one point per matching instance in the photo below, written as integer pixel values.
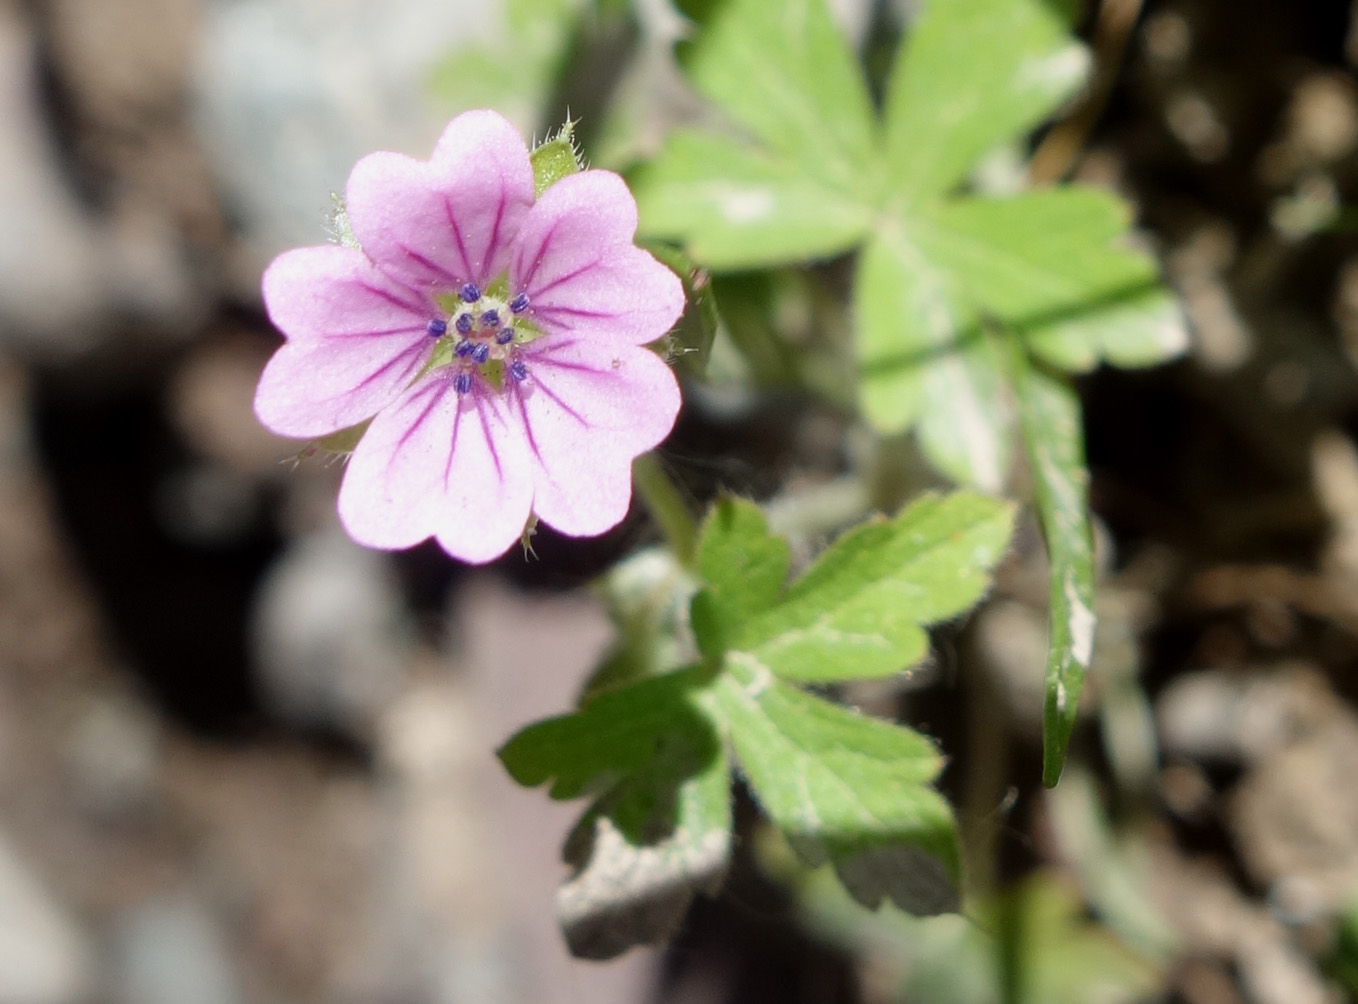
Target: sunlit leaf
(1055, 266)
(860, 610)
(615, 734)
(783, 71)
(973, 74)
(734, 206)
(646, 848)
(924, 361)
(844, 788)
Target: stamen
(462, 382)
(470, 293)
(463, 324)
(504, 336)
(481, 353)
(519, 304)
(518, 370)
(490, 320)
(436, 328)
(464, 348)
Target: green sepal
(555, 159)
(341, 443)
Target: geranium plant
(479, 341)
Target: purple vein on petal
(526, 280)
(387, 366)
(548, 344)
(490, 441)
(433, 266)
(544, 389)
(457, 237)
(409, 330)
(561, 278)
(394, 300)
(528, 428)
(452, 446)
(577, 368)
(435, 395)
(495, 228)
(549, 313)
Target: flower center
(481, 335)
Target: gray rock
(113, 757)
(169, 951)
(45, 958)
(52, 280)
(290, 93)
(329, 640)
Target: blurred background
(242, 760)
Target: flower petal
(575, 260)
(439, 464)
(588, 408)
(449, 221)
(355, 339)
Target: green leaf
(844, 788)
(1054, 265)
(784, 72)
(735, 206)
(615, 734)
(925, 361)
(1049, 413)
(860, 610)
(743, 565)
(659, 830)
(972, 74)
(645, 849)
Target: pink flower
(494, 340)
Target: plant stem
(667, 506)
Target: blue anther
(519, 304)
(481, 353)
(462, 382)
(463, 324)
(464, 348)
(436, 328)
(490, 320)
(504, 336)
(518, 370)
(470, 293)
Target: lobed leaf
(1054, 266)
(971, 75)
(743, 565)
(924, 361)
(615, 734)
(860, 610)
(783, 71)
(644, 850)
(735, 206)
(844, 788)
